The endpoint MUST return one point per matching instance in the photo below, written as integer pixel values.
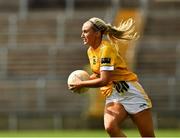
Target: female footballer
(124, 95)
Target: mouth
(84, 40)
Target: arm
(94, 76)
(97, 82)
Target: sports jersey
(106, 58)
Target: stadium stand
(157, 58)
(38, 52)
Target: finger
(104, 94)
(71, 85)
(108, 94)
(71, 88)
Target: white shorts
(134, 100)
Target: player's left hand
(106, 91)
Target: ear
(98, 33)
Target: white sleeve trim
(107, 68)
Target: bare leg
(113, 116)
(143, 121)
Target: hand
(106, 90)
(94, 76)
(75, 86)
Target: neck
(96, 43)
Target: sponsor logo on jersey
(105, 60)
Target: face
(88, 35)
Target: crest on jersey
(94, 60)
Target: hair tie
(108, 28)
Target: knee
(111, 127)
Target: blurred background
(40, 46)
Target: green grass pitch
(83, 133)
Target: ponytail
(124, 31)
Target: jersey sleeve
(107, 58)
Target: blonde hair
(124, 31)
